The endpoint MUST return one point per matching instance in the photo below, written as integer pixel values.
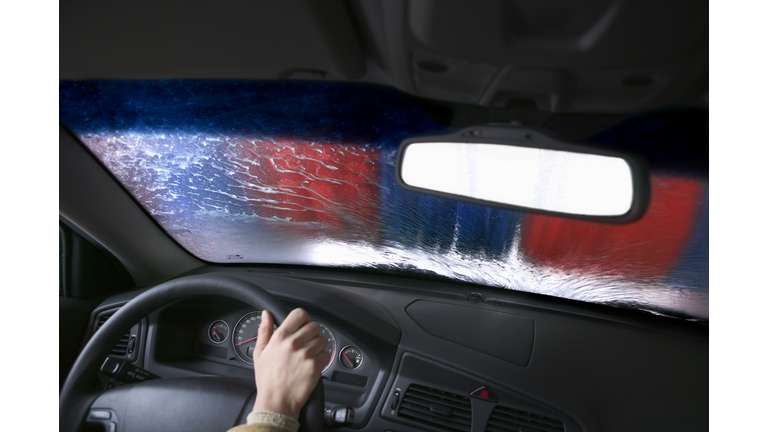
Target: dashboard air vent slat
(439, 409)
(505, 419)
(121, 347)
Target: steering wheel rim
(76, 395)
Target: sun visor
(233, 40)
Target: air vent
(509, 419)
(121, 348)
(439, 409)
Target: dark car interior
(412, 352)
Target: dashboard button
(100, 415)
(395, 399)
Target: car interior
(154, 322)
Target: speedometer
(245, 334)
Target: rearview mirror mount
(527, 170)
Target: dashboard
(416, 354)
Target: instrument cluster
(232, 338)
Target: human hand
(288, 363)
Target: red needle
(345, 356)
(246, 341)
(215, 333)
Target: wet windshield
(304, 173)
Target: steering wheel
(209, 404)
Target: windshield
(304, 173)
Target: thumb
(265, 333)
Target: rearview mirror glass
(526, 170)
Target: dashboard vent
(121, 348)
(509, 419)
(437, 408)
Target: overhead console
(559, 55)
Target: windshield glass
(304, 173)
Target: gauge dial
(244, 335)
(218, 331)
(330, 346)
(351, 357)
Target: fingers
(314, 351)
(306, 333)
(314, 343)
(294, 321)
(299, 330)
(265, 333)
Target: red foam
(312, 182)
(649, 247)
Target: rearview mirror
(526, 170)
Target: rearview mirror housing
(527, 170)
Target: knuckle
(295, 343)
(313, 329)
